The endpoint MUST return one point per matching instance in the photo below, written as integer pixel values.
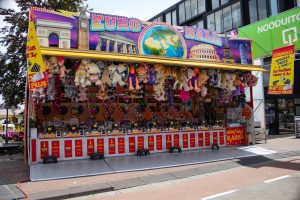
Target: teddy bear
(160, 95)
(142, 73)
(62, 68)
(192, 75)
(133, 79)
(250, 79)
(230, 85)
(151, 76)
(81, 74)
(92, 74)
(225, 80)
(105, 78)
(201, 80)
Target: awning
(136, 58)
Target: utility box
(297, 126)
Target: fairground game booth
(114, 85)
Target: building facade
(274, 112)
(222, 15)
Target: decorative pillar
(107, 45)
(116, 46)
(124, 48)
(99, 44)
(130, 48)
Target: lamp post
(6, 134)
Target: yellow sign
(282, 71)
(36, 69)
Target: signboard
(200, 139)
(131, 144)
(118, 34)
(68, 148)
(282, 71)
(185, 140)
(235, 136)
(36, 69)
(176, 140)
(192, 140)
(168, 141)
(141, 142)
(44, 149)
(111, 145)
(100, 145)
(90, 146)
(55, 149)
(121, 145)
(78, 148)
(215, 138)
(151, 143)
(33, 150)
(221, 136)
(274, 32)
(207, 139)
(158, 142)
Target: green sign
(274, 32)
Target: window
(262, 9)
(224, 1)
(219, 21)
(200, 24)
(201, 6)
(194, 7)
(53, 40)
(274, 7)
(188, 13)
(169, 18)
(236, 15)
(252, 10)
(174, 18)
(227, 18)
(215, 4)
(298, 3)
(211, 22)
(181, 13)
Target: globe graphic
(162, 40)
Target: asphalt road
(273, 180)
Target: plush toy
(192, 74)
(142, 73)
(51, 89)
(102, 95)
(184, 95)
(201, 80)
(225, 80)
(39, 94)
(62, 68)
(69, 88)
(133, 79)
(160, 95)
(151, 76)
(106, 80)
(53, 67)
(237, 84)
(230, 85)
(118, 74)
(82, 96)
(81, 74)
(92, 74)
(250, 79)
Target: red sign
(168, 141)
(132, 144)
(121, 145)
(235, 136)
(90, 146)
(185, 140)
(207, 139)
(33, 150)
(215, 138)
(200, 139)
(100, 145)
(140, 142)
(44, 149)
(221, 136)
(176, 140)
(151, 143)
(55, 149)
(78, 148)
(68, 148)
(192, 140)
(111, 145)
(159, 142)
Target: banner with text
(282, 71)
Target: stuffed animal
(81, 74)
(151, 76)
(225, 80)
(231, 80)
(133, 79)
(39, 94)
(105, 78)
(192, 75)
(82, 96)
(184, 95)
(62, 68)
(69, 88)
(119, 74)
(201, 80)
(92, 74)
(53, 67)
(160, 95)
(142, 73)
(51, 89)
(250, 79)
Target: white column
(124, 48)
(130, 48)
(99, 44)
(133, 49)
(107, 45)
(116, 46)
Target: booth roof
(136, 58)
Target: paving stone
(128, 183)
(157, 178)
(185, 173)
(9, 192)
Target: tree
(13, 63)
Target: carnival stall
(112, 84)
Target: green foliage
(14, 36)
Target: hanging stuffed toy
(51, 89)
(118, 74)
(62, 68)
(192, 74)
(81, 74)
(201, 81)
(133, 79)
(92, 74)
(151, 76)
(69, 88)
(39, 94)
(142, 73)
(53, 67)
(250, 79)
(82, 96)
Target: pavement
(286, 146)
